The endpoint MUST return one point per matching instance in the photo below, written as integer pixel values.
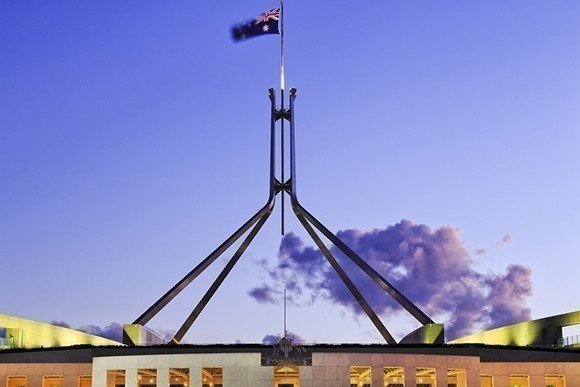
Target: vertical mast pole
(285, 313)
(282, 108)
(282, 46)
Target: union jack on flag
(265, 24)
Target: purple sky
(134, 140)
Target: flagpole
(282, 107)
(282, 45)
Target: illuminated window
(286, 376)
(425, 377)
(486, 380)
(115, 378)
(555, 381)
(360, 376)
(394, 376)
(17, 381)
(85, 381)
(456, 378)
(147, 378)
(179, 377)
(212, 376)
(52, 381)
(519, 381)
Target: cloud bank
(430, 267)
(113, 331)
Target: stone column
(131, 377)
(70, 380)
(35, 380)
(195, 377)
(305, 377)
(378, 375)
(501, 380)
(441, 376)
(99, 378)
(473, 377)
(410, 376)
(163, 377)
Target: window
(17, 381)
(394, 376)
(519, 381)
(360, 376)
(456, 378)
(425, 377)
(212, 376)
(286, 376)
(147, 378)
(555, 381)
(486, 380)
(179, 377)
(52, 381)
(85, 381)
(115, 378)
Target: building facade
(314, 365)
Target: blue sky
(134, 140)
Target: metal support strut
(308, 221)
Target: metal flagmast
(282, 109)
(285, 331)
(430, 332)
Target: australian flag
(266, 23)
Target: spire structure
(428, 333)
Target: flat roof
(486, 353)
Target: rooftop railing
(569, 341)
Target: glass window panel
(85, 381)
(179, 377)
(360, 376)
(425, 377)
(519, 381)
(486, 380)
(147, 377)
(52, 381)
(115, 378)
(555, 381)
(212, 377)
(456, 378)
(17, 381)
(394, 376)
(286, 376)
